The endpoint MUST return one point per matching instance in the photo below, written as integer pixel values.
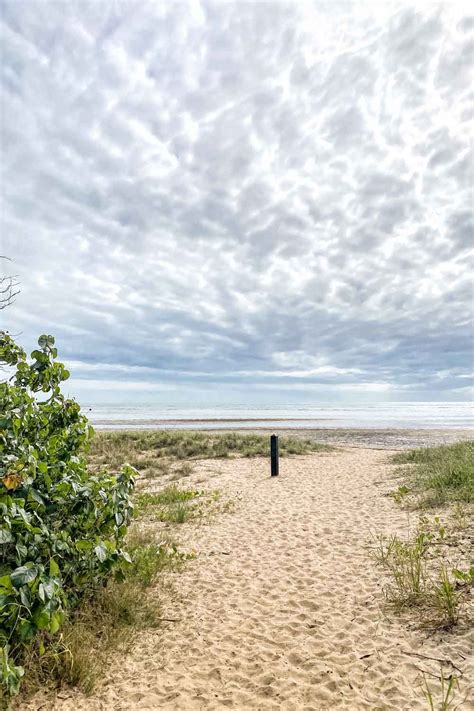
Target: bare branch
(8, 288)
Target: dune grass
(423, 570)
(144, 449)
(419, 577)
(150, 558)
(170, 505)
(405, 562)
(438, 475)
(174, 505)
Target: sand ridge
(283, 607)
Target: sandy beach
(226, 221)
(283, 608)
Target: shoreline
(207, 420)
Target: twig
(168, 619)
(433, 659)
(425, 671)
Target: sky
(268, 201)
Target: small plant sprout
(400, 494)
(465, 576)
(446, 599)
(449, 684)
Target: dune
(283, 607)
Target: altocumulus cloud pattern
(269, 193)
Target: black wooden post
(274, 454)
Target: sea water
(405, 415)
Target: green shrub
(61, 529)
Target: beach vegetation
(460, 516)
(419, 576)
(424, 569)
(399, 495)
(445, 598)
(106, 620)
(448, 686)
(149, 449)
(171, 504)
(175, 505)
(438, 475)
(405, 563)
(150, 558)
(62, 529)
(168, 496)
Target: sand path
(283, 608)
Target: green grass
(150, 558)
(170, 505)
(445, 598)
(144, 449)
(167, 496)
(418, 575)
(405, 563)
(448, 687)
(439, 475)
(175, 505)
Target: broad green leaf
(101, 552)
(36, 496)
(45, 340)
(48, 589)
(21, 550)
(56, 619)
(6, 583)
(41, 618)
(23, 575)
(26, 630)
(5, 536)
(53, 568)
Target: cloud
(249, 193)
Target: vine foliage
(61, 528)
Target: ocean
(404, 415)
